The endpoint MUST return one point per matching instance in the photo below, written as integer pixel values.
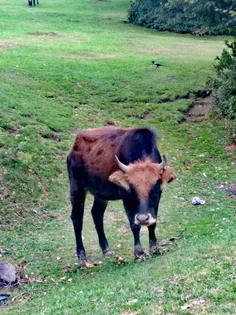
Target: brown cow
(117, 163)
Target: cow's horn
(122, 166)
(163, 163)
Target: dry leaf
(86, 264)
(119, 258)
(63, 278)
(159, 291)
(124, 229)
(132, 301)
(23, 263)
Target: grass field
(69, 65)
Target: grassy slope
(45, 52)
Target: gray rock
(7, 274)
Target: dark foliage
(223, 84)
(200, 17)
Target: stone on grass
(7, 274)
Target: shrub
(199, 17)
(223, 83)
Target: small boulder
(7, 274)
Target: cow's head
(144, 180)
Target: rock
(7, 274)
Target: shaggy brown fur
(167, 176)
(96, 148)
(142, 175)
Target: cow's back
(94, 150)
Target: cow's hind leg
(77, 201)
(98, 209)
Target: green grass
(44, 53)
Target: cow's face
(145, 180)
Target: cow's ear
(167, 176)
(119, 179)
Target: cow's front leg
(139, 252)
(98, 209)
(152, 236)
(153, 240)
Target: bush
(223, 83)
(198, 17)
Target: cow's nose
(142, 219)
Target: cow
(33, 3)
(117, 163)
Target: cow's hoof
(140, 254)
(107, 252)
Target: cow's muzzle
(144, 219)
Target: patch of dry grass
(7, 46)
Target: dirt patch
(124, 229)
(3, 189)
(12, 129)
(199, 109)
(110, 123)
(196, 47)
(151, 50)
(45, 34)
(89, 56)
(82, 56)
(112, 217)
(147, 115)
(230, 189)
(54, 137)
(231, 148)
(59, 156)
(6, 46)
(199, 303)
